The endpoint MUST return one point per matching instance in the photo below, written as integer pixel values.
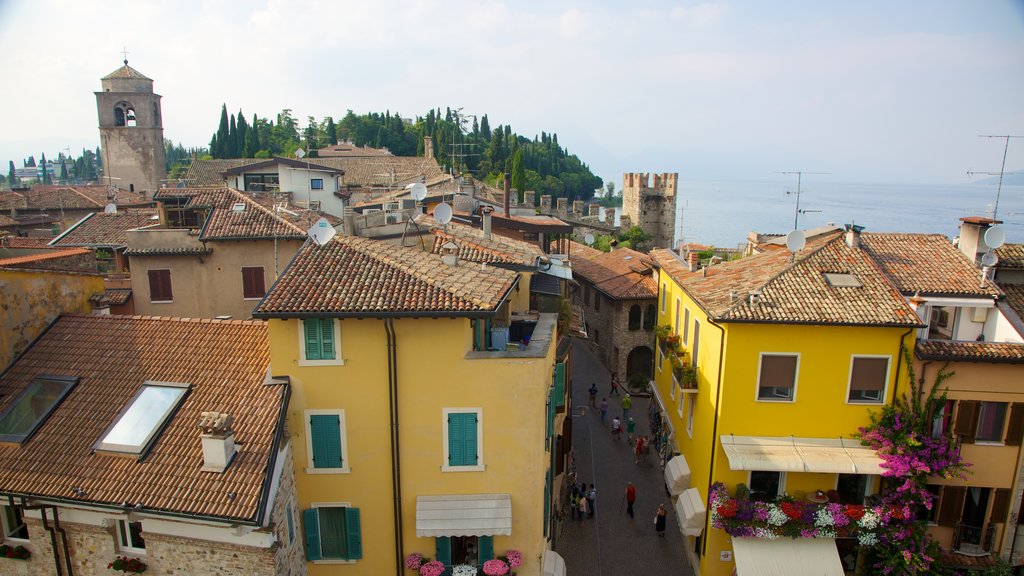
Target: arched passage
(640, 363)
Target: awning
(677, 475)
(464, 515)
(792, 454)
(691, 512)
(787, 557)
(552, 564)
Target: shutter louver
(443, 550)
(951, 504)
(559, 385)
(486, 546)
(353, 534)
(311, 521)
(325, 437)
(327, 339)
(967, 420)
(1015, 431)
(312, 338)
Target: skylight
(23, 416)
(842, 280)
(143, 418)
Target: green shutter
(462, 439)
(325, 436)
(327, 339)
(443, 547)
(312, 329)
(312, 526)
(551, 415)
(547, 501)
(486, 546)
(352, 532)
(559, 385)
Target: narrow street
(611, 542)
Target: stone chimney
(853, 235)
(485, 215)
(428, 147)
(972, 236)
(693, 261)
(594, 210)
(545, 204)
(562, 205)
(450, 253)
(625, 222)
(577, 207)
(529, 198)
(218, 441)
(609, 216)
(100, 305)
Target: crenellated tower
(653, 208)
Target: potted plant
(18, 552)
(128, 565)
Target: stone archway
(640, 362)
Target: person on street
(616, 428)
(593, 395)
(592, 500)
(627, 403)
(604, 408)
(659, 520)
(630, 498)
(615, 386)
(630, 428)
(640, 449)
(583, 505)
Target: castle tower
(653, 209)
(131, 131)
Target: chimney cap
(215, 422)
(979, 220)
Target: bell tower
(131, 131)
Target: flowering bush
(514, 558)
(18, 552)
(432, 568)
(414, 561)
(126, 565)
(495, 568)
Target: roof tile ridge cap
(797, 261)
(74, 190)
(264, 209)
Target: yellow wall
(433, 373)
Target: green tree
(610, 189)
(332, 131)
(63, 172)
(46, 173)
(12, 176)
(221, 149)
(519, 174)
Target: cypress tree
(230, 147)
(332, 131)
(257, 141)
(63, 173)
(46, 174)
(241, 135)
(485, 128)
(519, 174)
(222, 134)
(12, 178)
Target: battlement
(638, 183)
(653, 208)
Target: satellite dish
(589, 239)
(995, 237)
(418, 191)
(989, 259)
(300, 153)
(795, 241)
(443, 213)
(110, 208)
(321, 232)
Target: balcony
(973, 540)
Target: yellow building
(790, 353)
(411, 435)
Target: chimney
(450, 253)
(529, 198)
(428, 147)
(853, 235)
(349, 221)
(218, 441)
(755, 297)
(693, 259)
(562, 204)
(485, 213)
(594, 210)
(625, 222)
(100, 305)
(972, 236)
(577, 207)
(508, 193)
(609, 216)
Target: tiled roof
(6, 220)
(1010, 256)
(1014, 297)
(375, 171)
(103, 229)
(50, 197)
(300, 216)
(168, 251)
(350, 149)
(118, 296)
(622, 274)
(970, 351)
(474, 247)
(352, 276)
(226, 223)
(42, 255)
(926, 263)
(125, 71)
(579, 251)
(23, 242)
(225, 363)
(10, 199)
(795, 291)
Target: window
(942, 419)
(316, 184)
(664, 296)
(320, 342)
(868, 377)
(463, 439)
(143, 418)
(926, 515)
(678, 306)
(672, 389)
(160, 286)
(990, 422)
(326, 442)
(26, 413)
(332, 533)
(635, 317)
(661, 357)
(682, 398)
(689, 415)
(597, 301)
(940, 325)
(776, 379)
(290, 520)
(765, 486)
(14, 524)
(472, 550)
(852, 488)
(261, 182)
(252, 282)
(695, 353)
(129, 537)
(650, 317)
(686, 325)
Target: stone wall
(653, 208)
(289, 556)
(608, 329)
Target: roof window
(842, 280)
(145, 416)
(238, 207)
(24, 416)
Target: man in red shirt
(630, 498)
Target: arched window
(130, 117)
(118, 116)
(650, 317)
(634, 317)
(124, 114)
(156, 114)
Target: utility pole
(1002, 168)
(799, 178)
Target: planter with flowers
(128, 565)
(669, 342)
(18, 552)
(500, 566)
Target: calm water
(723, 212)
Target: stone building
(131, 131)
(618, 294)
(652, 208)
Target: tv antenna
(321, 232)
(1002, 168)
(799, 179)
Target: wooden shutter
(443, 550)
(551, 416)
(951, 505)
(1001, 505)
(311, 519)
(353, 534)
(967, 420)
(559, 385)
(325, 437)
(469, 421)
(486, 547)
(160, 286)
(252, 282)
(1015, 432)
(312, 330)
(547, 501)
(462, 439)
(327, 339)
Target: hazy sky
(873, 91)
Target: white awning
(464, 515)
(691, 512)
(677, 475)
(552, 564)
(792, 454)
(787, 557)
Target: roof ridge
(176, 319)
(266, 210)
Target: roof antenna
(798, 211)
(1002, 169)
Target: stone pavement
(612, 543)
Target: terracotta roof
(23, 242)
(578, 251)
(352, 276)
(125, 71)
(371, 171)
(42, 255)
(6, 220)
(970, 351)
(226, 223)
(168, 251)
(926, 263)
(795, 291)
(300, 216)
(118, 296)
(10, 199)
(622, 274)
(1010, 256)
(1014, 297)
(113, 356)
(292, 162)
(474, 247)
(51, 196)
(351, 150)
(103, 229)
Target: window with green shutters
(332, 533)
(318, 338)
(462, 439)
(325, 434)
(560, 385)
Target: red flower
(727, 510)
(792, 510)
(854, 512)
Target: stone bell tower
(131, 131)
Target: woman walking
(659, 520)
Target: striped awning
(792, 454)
(691, 512)
(677, 475)
(464, 515)
(787, 557)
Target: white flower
(765, 533)
(823, 518)
(867, 538)
(869, 521)
(463, 570)
(776, 517)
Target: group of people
(582, 500)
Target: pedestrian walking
(574, 503)
(630, 498)
(604, 408)
(627, 403)
(659, 520)
(640, 449)
(616, 428)
(592, 500)
(582, 504)
(593, 394)
(630, 428)
(615, 386)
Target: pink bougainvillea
(495, 568)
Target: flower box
(128, 565)
(18, 552)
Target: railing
(973, 540)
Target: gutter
(899, 365)
(396, 463)
(53, 533)
(714, 433)
(275, 448)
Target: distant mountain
(1014, 179)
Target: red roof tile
(622, 274)
(42, 255)
(1010, 256)
(926, 263)
(474, 247)
(105, 229)
(226, 223)
(969, 351)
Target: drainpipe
(714, 433)
(53, 534)
(396, 464)
(899, 365)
